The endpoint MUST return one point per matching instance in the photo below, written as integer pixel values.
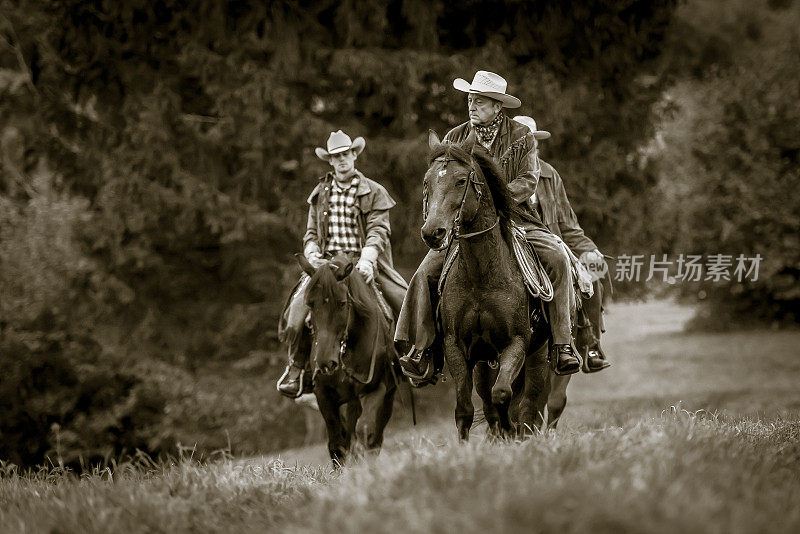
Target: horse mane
(468, 154)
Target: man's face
(482, 109)
(343, 162)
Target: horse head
(327, 298)
(464, 188)
(449, 197)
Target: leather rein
(343, 347)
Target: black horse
(485, 308)
(353, 357)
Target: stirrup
(554, 363)
(300, 381)
(585, 366)
(426, 378)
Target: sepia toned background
(155, 159)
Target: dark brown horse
(485, 309)
(352, 357)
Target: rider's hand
(366, 265)
(313, 255)
(315, 259)
(595, 256)
(366, 268)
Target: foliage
(728, 149)
(61, 399)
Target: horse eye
(461, 181)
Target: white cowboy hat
(488, 84)
(531, 124)
(340, 142)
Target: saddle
(539, 286)
(533, 273)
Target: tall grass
(679, 471)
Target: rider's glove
(366, 264)
(596, 255)
(313, 255)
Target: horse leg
(536, 390)
(350, 414)
(557, 399)
(484, 378)
(511, 360)
(462, 376)
(371, 412)
(384, 415)
(338, 442)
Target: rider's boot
(423, 367)
(289, 384)
(565, 359)
(595, 359)
(293, 382)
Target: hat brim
(541, 134)
(358, 145)
(508, 101)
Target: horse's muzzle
(436, 239)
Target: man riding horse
(512, 146)
(552, 204)
(348, 214)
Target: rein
(343, 348)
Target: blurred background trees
(155, 158)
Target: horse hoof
(501, 394)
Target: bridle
(476, 185)
(343, 347)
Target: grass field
(686, 432)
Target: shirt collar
(354, 181)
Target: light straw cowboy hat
(488, 84)
(530, 123)
(340, 142)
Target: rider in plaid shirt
(343, 220)
(347, 213)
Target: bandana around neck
(486, 133)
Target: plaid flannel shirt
(343, 220)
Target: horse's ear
(343, 271)
(305, 264)
(433, 140)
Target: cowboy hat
(531, 124)
(488, 84)
(340, 142)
